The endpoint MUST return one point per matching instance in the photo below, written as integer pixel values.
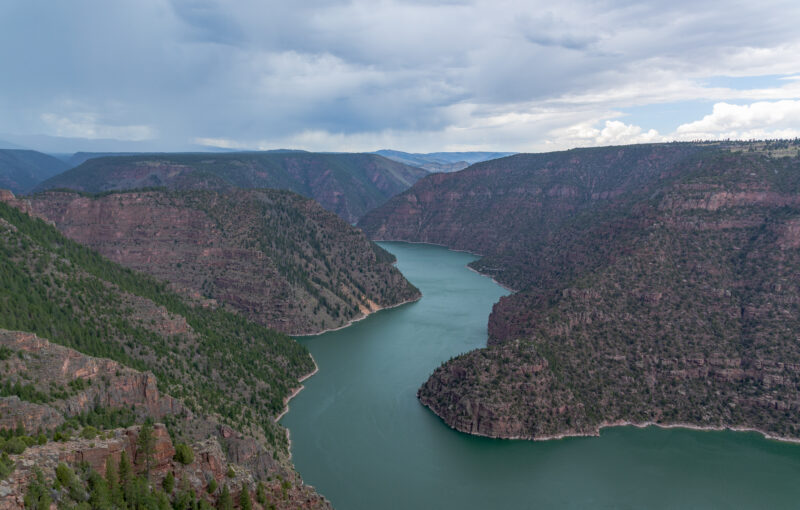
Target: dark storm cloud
(354, 74)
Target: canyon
(655, 284)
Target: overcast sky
(418, 75)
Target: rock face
(277, 258)
(655, 284)
(210, 463)
(105, 384)
(346, 184)
(101, 383)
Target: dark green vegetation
(656, 283)
(346, 184)
(21, 170)
(215, 361)
(275, 257)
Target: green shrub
(184, 453)
(6, 466)
(212, 486)
(14, 446)
(89, 432)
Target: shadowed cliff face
(655, 283)
(346, 184)
(277, 258)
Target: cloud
(758, 120)
(87, 125)
(414, 75)
(744, 121)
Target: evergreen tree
(99, 494)
(114, 488)
(146, 444)
(225, 501)
(169, 482)
(261, 494)
(37, 497)
(244, 499)
(126, 477)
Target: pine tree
(126, 477)
(225, 501)
(146, 444)
(99, 495)
(112, 479)
(245, 503)
(261, 494)
(169, 482)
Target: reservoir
(360, 436)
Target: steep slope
(508, 209)
(661, 288)
(276, 257)
(81, 409)
(346, 184)
(215, 361)
(21, 170)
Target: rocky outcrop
(273, 256)
(89, 382)
(210, 463)
(15, 412)
(71, 383)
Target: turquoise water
(360, 436)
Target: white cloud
(86, 125)
(745, 121)
(613, 132)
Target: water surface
(360, 436)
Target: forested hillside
(275, 257)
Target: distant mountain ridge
(657, 284)
(442, 161)
(346, 184)
(22, 169)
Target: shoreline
(476, 254)
(360, 318)
(297, 390)
(639, 425)
(300, 388)
(506, 287)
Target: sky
(416, 75)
